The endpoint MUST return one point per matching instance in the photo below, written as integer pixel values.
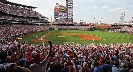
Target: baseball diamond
(78, 36)
(66, 36)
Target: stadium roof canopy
(11, 3)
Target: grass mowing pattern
(108, 36)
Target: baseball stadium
(32, 42)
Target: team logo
(56, 9)
(62, 9)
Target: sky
(86, 10)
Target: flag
(51, 21)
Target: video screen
(62, 15)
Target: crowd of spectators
(124, 30)
(17, 57)
(26, 57)
(22, 19)
(19, 11)
(73, 27)
(12, 31)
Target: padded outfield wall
(88, 29)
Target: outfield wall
(88, 29)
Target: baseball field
(77, 36)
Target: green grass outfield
(108, 36)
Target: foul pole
(51, 21)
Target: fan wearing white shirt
(41, 66)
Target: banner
(56, 14)
(55, 9)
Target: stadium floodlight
(122, 17)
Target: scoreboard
(69, 4)
(64, 14)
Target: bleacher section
(20, 13)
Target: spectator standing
(41, 66)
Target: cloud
(93, 12)
(104, 7)
(125, 10)
(115, 9)
(25, 2)
(95, 7)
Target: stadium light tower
(122, 17)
